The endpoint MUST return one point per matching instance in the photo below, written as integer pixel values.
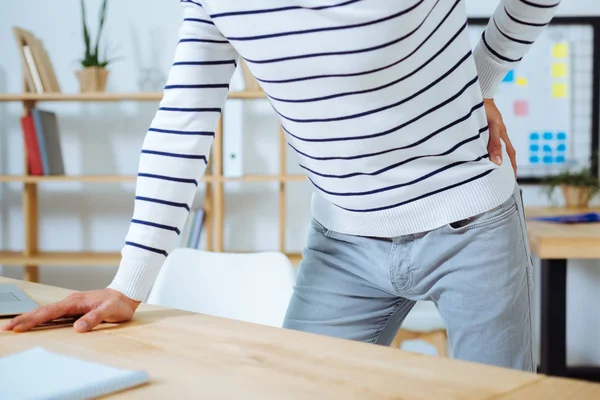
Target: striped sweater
(381, 100)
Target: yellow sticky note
(559, 70)
(559, 90)
(521, 81)
(560, 50)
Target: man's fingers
(89, 321)
(495, 146)
(31, 319)
(512, 153)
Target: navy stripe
(202, 21)
(168, 178)
(398, 164)
(386, 132)
(529, 3)
(424, 195)
(510, 37)
(389, 106)
(271, 10)
(385, 189)
(176, 155)
(327, 29)
(183, 109)
(372, 70)
(494, 52)
(163, 202)
(414, 144)
(174, 132)
(203, 41)
(152, 249)
(413, 72)
(206, 86)
(155, 225)
(193, 2)
(217, 62)
(523, 22)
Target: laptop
(13, 301)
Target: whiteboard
(546, 101)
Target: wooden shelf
(129, 178)
(78, 259)
(153, 96)
(73, 259)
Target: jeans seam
(390, 265)
(385, 322)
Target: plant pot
(576, 196)
(249, 80)
(92, 79)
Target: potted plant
(94, 75)
(578, 187)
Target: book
(33, 70)
(34, 159)
(197, 229)
(40, 374)
(46, 127)
(582, 218)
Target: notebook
(38, 374)
(46, 128)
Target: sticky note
(547, 148)
(561, 147)
(547, 159)
(534, 147)
(560, 160)
(534, 159)
(559, 90)
(559, 70)
(521, 108)
(561, 135)
(509, 77)
(548, 135)
(534, 136)
(560, 50)
(521, 81)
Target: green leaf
(86, 33)
(102, 19)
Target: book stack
(192, 231)
(40, 131)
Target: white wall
(106, 138)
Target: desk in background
(554, 244)
(190, 355)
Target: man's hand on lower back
(96, 306)
(498, 134)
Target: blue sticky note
(560, 160)
(534, 159)
(510, 77)
(561, 147)
(561, 135)
(548, 135)
(534, 136)
(547, 159)
(534, 147)
(547, 148)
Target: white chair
(424, 323)
(253, 287)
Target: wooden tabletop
(189, 355)
(562, 241)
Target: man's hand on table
(96, 306)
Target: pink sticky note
(521, 108)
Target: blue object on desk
(570, 219)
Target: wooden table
(554, 244)
(191, 355)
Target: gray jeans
(478, 272)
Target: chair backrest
(253, 287)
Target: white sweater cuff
(135, 278)
(490, 72)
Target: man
(392, 117)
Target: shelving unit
(32, 258)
